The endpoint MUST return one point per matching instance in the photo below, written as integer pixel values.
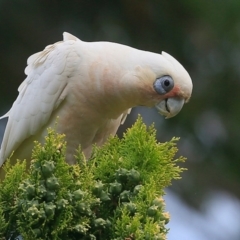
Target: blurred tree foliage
(203, 35)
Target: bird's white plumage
(91, 87)
(40, 93)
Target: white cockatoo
(90, 87)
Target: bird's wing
(124, 115)
(40, 93)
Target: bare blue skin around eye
(160, 86)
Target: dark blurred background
(205, 37)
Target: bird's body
(90, 88)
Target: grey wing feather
(124, 115)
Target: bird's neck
(113, 87)
(113, 95)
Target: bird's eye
(163, 85)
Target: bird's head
(168, 84)
(175, 86)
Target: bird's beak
(170, 107)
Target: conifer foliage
(116, 195)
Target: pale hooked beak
(170, 107)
